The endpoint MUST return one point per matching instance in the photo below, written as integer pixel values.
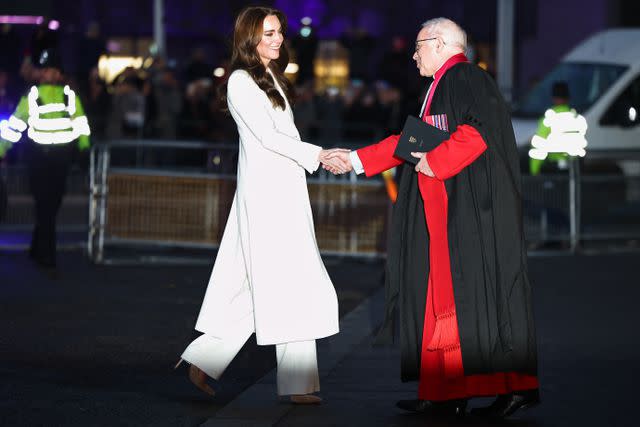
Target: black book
(418, 136)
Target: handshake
(336, 160)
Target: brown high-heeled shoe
(198, 377)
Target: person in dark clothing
(53, 117)
(305, 44)
(98, 104)
(457, 265)
(43, 39)
(198, 67)
(90, 48)
(393, 66)
(360, 45)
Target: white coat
(268, 271)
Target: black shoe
(449, 407)
(48, 268)
(506, 404)
(414, 405)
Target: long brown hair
(247, 34)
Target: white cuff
(356, 163)
(312, 163)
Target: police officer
(53, 118)
(553, 161)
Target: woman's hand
(335, 160)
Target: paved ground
(96, 349)
(588, 343)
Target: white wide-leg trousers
(297, 361)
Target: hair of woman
(247, 34)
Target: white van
(603, 74)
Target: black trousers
(48, 167)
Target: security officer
(53, 117)
(553, 161)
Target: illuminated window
(110, 66)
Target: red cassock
(441, 370)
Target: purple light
(54, 25)
(296, 10)
(113, 46)
(16, 19)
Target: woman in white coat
(268, 277)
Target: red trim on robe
(441, 370)
(437, 385)
(379, 157)
(460, 150)
(455, 59)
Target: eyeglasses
(423, 40)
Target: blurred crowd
(170, 100)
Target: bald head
(451, 33)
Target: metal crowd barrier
(595, 200)
(162, 194)
(187, 206)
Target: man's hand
(423, 165)
(336, 160)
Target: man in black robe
(457, 266)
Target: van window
(624, 110)
(587, 82)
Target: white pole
(504, 47)
(158, 27)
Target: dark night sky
(541, 26)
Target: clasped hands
(336, 160)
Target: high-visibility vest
(561, 134)
(51, 115)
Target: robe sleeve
(379, 157)
(244, 98)
(456, 153)
(471, 103)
